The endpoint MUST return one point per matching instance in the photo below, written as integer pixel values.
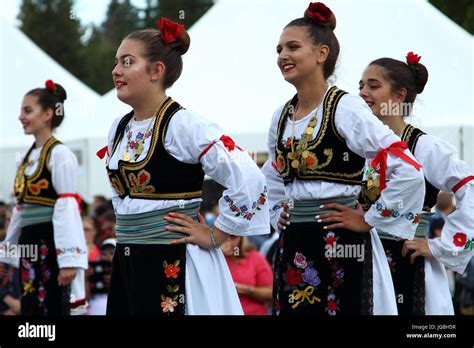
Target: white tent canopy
(25, 66)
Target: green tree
(460, 11)
(121, 18)
(182, 11)
(52, 26)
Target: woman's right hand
(284, 219)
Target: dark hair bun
(60, 92)
(182, 43)
(319, 13)
(421, 77)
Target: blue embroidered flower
(310, 276)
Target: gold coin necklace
(301, 148)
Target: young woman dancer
(390, 87)
(46, 217)
(166, 262)
(329, 263)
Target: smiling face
(33, 117)
(133, 75)
(377, 92)
(298, 57)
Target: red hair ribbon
(381, 159)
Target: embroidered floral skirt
(148, 273)
(40, 291)
(322, 272)
(408, 279)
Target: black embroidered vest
(326, 157)
(371, 186)
(159, 175)
(38, 187)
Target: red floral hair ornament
(51, 86)
(412, 58)
(320, 13)
(170, 31)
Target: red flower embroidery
(459, 239)
(318, 12)
(293, 277)
(25, 275)
(41, 294)
(168, 305)
(311, 160)
(386, 212)
(330, 240)
(332, 305)
(50, 85)
(143, 177)
(416, 219)
(40, 185)
(171, 271)
(140, 183)
(170, 31)
(412, 58)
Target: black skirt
(147, 279)
(408, 279)
(309, 280)
(40, 291)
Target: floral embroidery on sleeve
(244, 211)
(395, 213)
(71, 250)
(460, 240)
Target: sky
(89, 11)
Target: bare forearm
(260, 293)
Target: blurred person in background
(251, 273)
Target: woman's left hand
(351, 219)
(419, 246)
(196, 232)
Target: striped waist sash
(305, 211)
(149, 228)
(421, 230)
(33, 214)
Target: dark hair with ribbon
(411, 75)
(320, 23)
(166, 44)
(52, 96)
